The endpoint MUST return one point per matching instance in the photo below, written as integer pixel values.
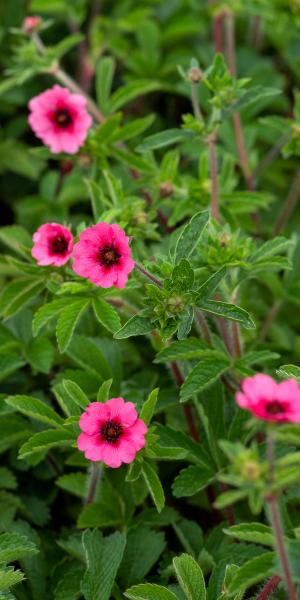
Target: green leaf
(228, 311)
(287, 371)
(137, 325)
(229, 497)
(7, 479)
(256, 533)
(190, 577)
(40, 354)
(132, 90)
(270, 248)
(103, 392)
(163, 139)
(14, 546)
(210, 285)
(148, 407)
(205, 373)
(101, 514)
(133, 129)
(9, 577)
(32, 407)
(149, 591)
(103, 557)
(188, 349)
(88, 355)
(48, 312)
(74, 483)
(143, 549)
(17, 293)
(9, 364)
(104, 77)
(44, 440)
(16, 238)
(76, 393)
(252, 572)
(154, 485)
(191, 480)
(68, 587)
(106, 315)
(191, 235)
(67, 322)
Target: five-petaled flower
(103, 255)
(271, 401)
(53, 244)
(60, 119)
(111, 432)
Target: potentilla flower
(112, 432)
(53, 244)
(103, 255)
(271, 401)
(60, 119)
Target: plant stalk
(211, 141)
(289, 204)
(269, 588)
(95, 474)
(148, 275)
(276, 524)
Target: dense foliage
(194, 153)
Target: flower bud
(175, 304)
(195, 75)
(251, 470)
(166, 189)
(31, 24)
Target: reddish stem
(289, 204)
(213, 163)
(93, 483)
(269, 588)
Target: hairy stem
(275, 520)
(211, 141)
(238, 132)
(195, 101)
(148, 275)
(269, 588)
(65, 79)
(94, 479)
(289, 204)
(218, 21)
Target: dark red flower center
(58, 245)
(109, 256)
(111, 431)
(274, 408)
(63, 117)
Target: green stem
(275, 520)
(195, 101)
(211, 141)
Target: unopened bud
(251, 470)
(140, 218)
(175, 304)
(166, 189)
(195, 75)
(85, 160)
(31, 24)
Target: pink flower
(60, 119)
(103, 255)
(112, 432)
(53, 245)
(31, 24)
(269, 400)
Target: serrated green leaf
(228, 311)
(257, 533)
(149, 591)
(47, 312)
(148, 407)
(103, 557)
(106, 315)
(67, 322)
(44, 440)
(135, 326)
(143, 549)
(163, 139)
(35, 408)
(76, 393)
(191, 480)
(201, 376)
(154, 485)
(288, 371)
(190, 235)
(252, 572)
(190, 577)
(14, 546)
